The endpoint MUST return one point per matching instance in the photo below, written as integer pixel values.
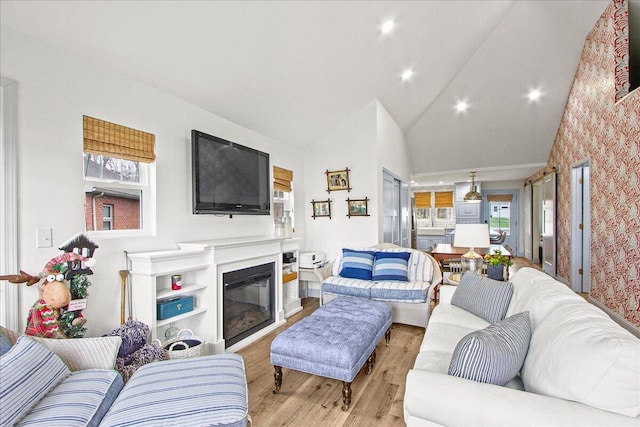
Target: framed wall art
(321, 208)
(357, 207)
(338, 180)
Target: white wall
(366, 143)
(352, 145)
(55, 90)
(393, 155)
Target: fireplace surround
(205, 266)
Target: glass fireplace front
(248, 303)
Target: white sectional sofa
(581, 368)
(409, 300)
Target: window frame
(147, 187)
(107, 219)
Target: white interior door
(548, 217)
(405, 224)
(526, 223)
(580, 229)
(8, 202)
(387, 208)
(395, 201)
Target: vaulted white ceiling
(295, 70)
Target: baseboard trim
(616, 317)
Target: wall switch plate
(44, 238)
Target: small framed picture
(321, 208)
(357, 207)
(338, 180)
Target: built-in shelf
(186, 289)
(194, 312)
(290, 285)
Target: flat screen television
(228, 178)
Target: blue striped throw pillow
(483, 297)
(28, 371)
(495, 354)
(357, 264)
(391, 266)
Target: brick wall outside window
(126, 212)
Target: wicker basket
(184, 345)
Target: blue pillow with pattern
(483, 297)
(495, 354)
(357, 264)
(391, 266)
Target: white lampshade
(471, 236)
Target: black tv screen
(228, 178)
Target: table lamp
(471, 236)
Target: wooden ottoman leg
(346, 395)
(370, 361)
(277, 377)
(387, 336)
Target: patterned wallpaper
(607, 133)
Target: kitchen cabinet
(428, 242)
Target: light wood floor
(310, 400)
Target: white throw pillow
(85, 353)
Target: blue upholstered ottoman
(334, 342)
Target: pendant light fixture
(473, 195)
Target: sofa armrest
(443, 399)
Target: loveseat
(408, 294)
(580, 368)
(46, 382)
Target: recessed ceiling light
(534, 94)
(462, 106)
(441, 182)
(388, 26)
(407, 74)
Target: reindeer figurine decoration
(43, 319)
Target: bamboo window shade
(444, 199)
(112, 140)
(423, 199)
(282, 179)
(499, 197)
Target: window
(107, 217)
(119, 179)
(500, 212)
(283, 212)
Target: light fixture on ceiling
(462, 106)
(473, 195)
(534, 94)
(406, 74)
(388, 26)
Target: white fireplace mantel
(203, 264)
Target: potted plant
(496, 263)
